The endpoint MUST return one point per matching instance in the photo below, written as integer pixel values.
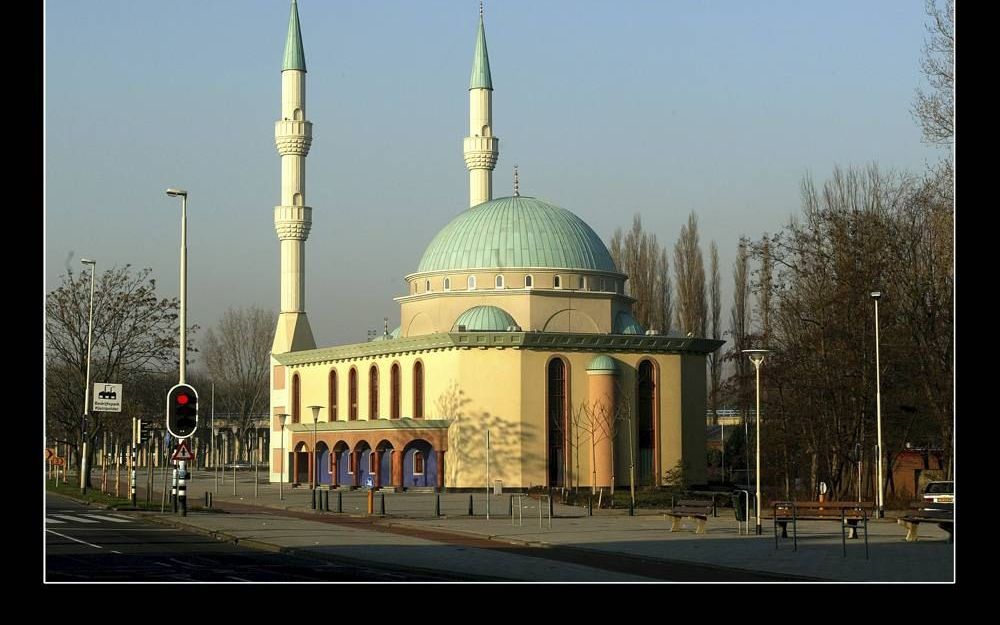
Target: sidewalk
(609, 546)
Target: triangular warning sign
(182, 452)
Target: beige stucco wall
(505, 390)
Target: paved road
(88, 544)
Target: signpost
(107, 397)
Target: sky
(608, 108)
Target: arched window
(557, 433)
(394, 381)
(418, 390)
(557, 282)
(332, 402)
(529, 282)
(373, 392)
(427, 285)
(583, 283)
(646, 422)
(447, 284)
(296, 399)
(352, 392)
(498, 282)
(472, 283)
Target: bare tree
(934, 110)
(689, 267)
(715, 297)
(638, 254)
(237, 360)
(134, 333)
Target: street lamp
(315, 472)
(183, 195)
(878, 413)
(281, 475)
(86, 385)
(757, 358)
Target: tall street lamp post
(757, 358)
(281, 456)
(878, 414)
(315, 472)
(86, 385)
(183, 195)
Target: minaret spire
(517, 190)
(481, 147)
(292, 218)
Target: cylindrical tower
(481, 147)
(292, 218)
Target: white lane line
(106, 518)
(239, 579)
(75, 539)
(118, 552)
(122, 516)
(51, 520)
(75, 518)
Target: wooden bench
(851, 514)
(690, 509)
(941, 513)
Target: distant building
(514, 324)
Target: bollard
(437, 504)
(470, 505)
(510, 506)
(371, 501)
(340, 501)
(206, 500)
(631, 512)
(381, 504)
(326, 500)
(590, 505)
(314, 499)
(551, 505)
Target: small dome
(516, 231)
(603, 363)
(625, 323)
(484, 319)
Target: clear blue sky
(608, 108)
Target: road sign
(49, 453)
(57, 461)
(107, 397)
(183, 452)
(370, 481)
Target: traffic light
(182, 410)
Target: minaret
(481, 147)
(292, 218)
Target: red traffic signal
(182, 410)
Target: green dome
(603, 363)
(625, 323)
(513, 232)
(484, 319)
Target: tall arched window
(556, 409)
(418, 390)
(373, 392)
(557, 282)
(447, 284)
(352, 392)
(646, 423)
(394, 382)
(296, 399)
(472, 283)
(529, 281)
(332, 401)
(498, 282)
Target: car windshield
(939, 487)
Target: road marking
(239, 579)
(75, 518)
(75, 539)
(107, 518)
(118, 552)
(122, 516)
(51, 520)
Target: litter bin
(740, 505)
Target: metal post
(487, 474)
(381, 504)
(183, 302)
(163, 496)
(173, 489)
(437, 504)
(132, 473)
(470, 505)
(86, 388)
(326, 500)
(256, 477)
(149, 473)
(234, 478)
(182, 487)
(340, 502)
(878, 413)
(215, 455)
(313, 498)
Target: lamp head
(315, 410)
(281, 417)
(876, 294)
(87, 261)
(176, 192)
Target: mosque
(517, 354)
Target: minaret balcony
(293, 137)
(481, 152)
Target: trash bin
(740, 506)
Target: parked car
(939, 492)
(242, 464)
